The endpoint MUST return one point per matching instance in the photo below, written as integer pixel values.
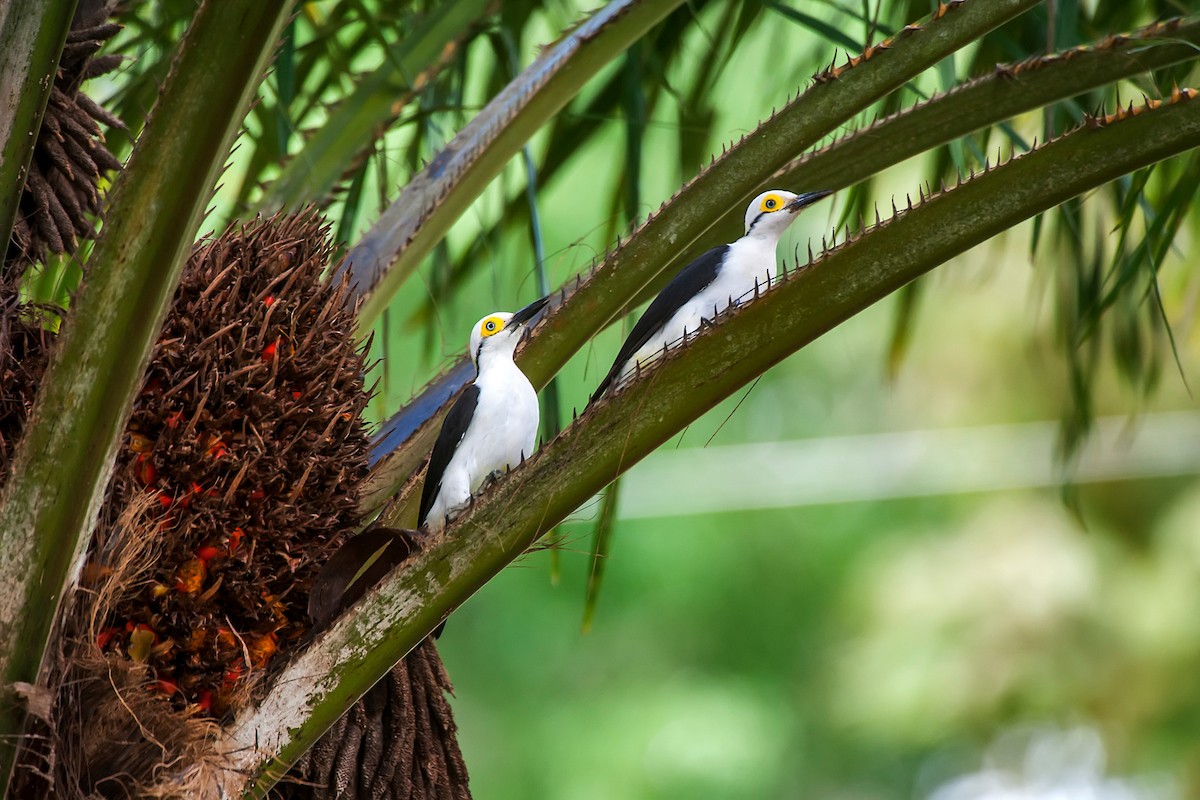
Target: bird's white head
(769, 214)
(499, 332)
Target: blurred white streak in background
(1050, 764)
(846, 469)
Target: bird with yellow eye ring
(491, 325)
(492, 426)
(721, 277)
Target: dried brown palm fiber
(109, 733)
(248, 432)
(62, 187)
(397, 743)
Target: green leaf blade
(359, 118)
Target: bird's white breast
(505, 426)
(503, 429)
(747, 262)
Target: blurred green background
(877, 572)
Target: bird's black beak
(807, 199)
(527, 313)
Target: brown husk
(110, 733)
(249, 434)
(24, 352)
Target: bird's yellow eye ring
(490, 326)
(770, 203)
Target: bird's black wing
(453, 429)
(690, 281)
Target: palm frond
(363, 115)
(608, 439)
(611, 288)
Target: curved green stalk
(439, 195)
(728, 182)
(1009, 90)
(572, 129)
(32, 34)
(316, 688)
(732, 180)
(62, 465)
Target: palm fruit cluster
(248, 434)
(69, 158)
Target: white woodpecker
(492, 426)
(721, 277)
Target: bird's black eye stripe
(761, 214)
